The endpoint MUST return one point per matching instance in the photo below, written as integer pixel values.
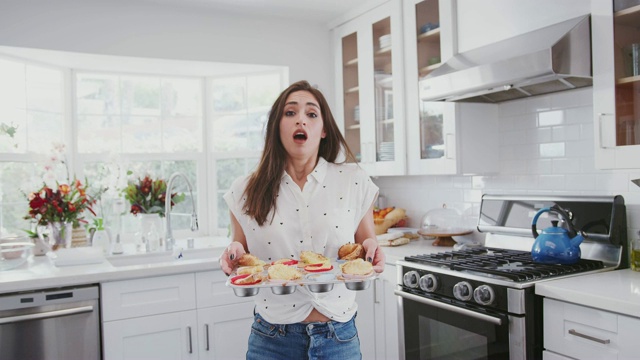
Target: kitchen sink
(164, 257)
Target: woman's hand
(374, 254)
(229, 258)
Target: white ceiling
(312, 11)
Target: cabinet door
(211, 290)
(167, 336)
(389, 304)
(616, 85)
(369, 82)
(367, 322)
(147, 296)
(224, 331)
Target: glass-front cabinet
(616, 83)
(440, 139)
(369, 82)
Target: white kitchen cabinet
(370, 88)
(224, 331)
(224, 320)
(582, 332)
(185, 316)
(377, 319)
(442, 138)
(150, 318)
(616, 88)
(165, 336)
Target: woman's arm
(238, 246)
(366, 235)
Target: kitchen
(525, 127)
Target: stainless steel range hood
(551, 59)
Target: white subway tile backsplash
(551, 182)
(541, 135)
(539, 166)
(573, 98)
(565, 166)
(546, 147)
(565, 133)
(580, 182)
(551, 118)
(551, 149)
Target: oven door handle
(466, 312)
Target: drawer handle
(574, 332)
(189, 344)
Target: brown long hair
(264, 184)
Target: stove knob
(484, 295)
(428, 283)
(463, 291)
(411, 279)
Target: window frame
(205, 160)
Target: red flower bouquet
(64, 204)
(148, 196)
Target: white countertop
(41, 271)
(616, 291)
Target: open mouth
(300, 136)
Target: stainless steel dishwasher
(60, 323)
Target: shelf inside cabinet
(427, 69)
(628, 80)
(628, 17)
(354, 127)
(384, 51)
(351, 62)
(430, 36)
(352, 90)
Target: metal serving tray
(317, 282)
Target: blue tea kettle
(556, 245)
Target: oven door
(436, 329)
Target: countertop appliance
(550, 59)
(51, 324)
(479, 302)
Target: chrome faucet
(170, 241)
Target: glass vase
(60, 234)
(151, 225)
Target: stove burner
(518, 266)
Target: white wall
(163, 31)
(546, 147)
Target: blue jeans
(318, 340)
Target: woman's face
(301, 126)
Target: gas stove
(501, 266)
(488, 289)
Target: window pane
(98, 134)
(97, 94)
(44, 129)
(44, 89)
(141, 134)
(17, 180)
(263, 90)
(229, 94)
(227, 170)
(181, 97)
(140, 96)
(182, 134)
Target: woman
(300, 199)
